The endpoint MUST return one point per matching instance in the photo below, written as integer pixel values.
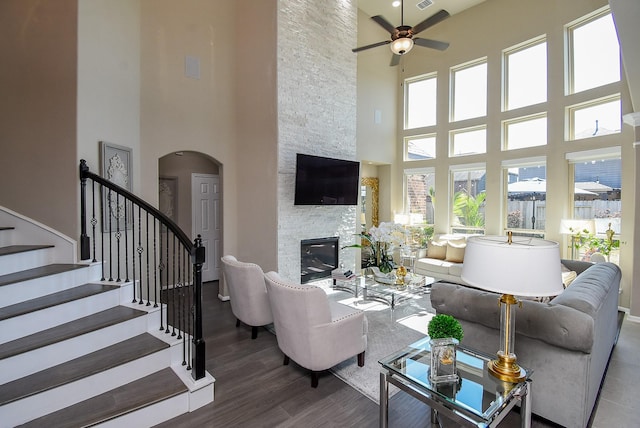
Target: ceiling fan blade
(395, 60)
(433, 44)
(384, 23)
(430, 21)
(373, 45)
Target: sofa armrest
(556, 325)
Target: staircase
(74, 350)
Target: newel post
(85, 250)
(198, 258)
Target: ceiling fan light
(401, 46)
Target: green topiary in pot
(442, 326)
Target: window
(469, 89)
(597, 197)
(468, 141)
(525, 132)
(526, 196)
(525, 75)
(595, 118)
(594, 52)
(421, 195)
(420, 147)
(468, 201)
(420, 99)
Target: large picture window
(420, 102)
(595, 118)
(525, 75)
(526, 197)
(525, 132)
(421, 195)
(468, 200)
(469, 89)
(597, 199)
(594, 58)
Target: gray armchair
(312, 330)
(248, 293)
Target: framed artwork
(116, 166)
(168, 197)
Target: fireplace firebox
(318, 257)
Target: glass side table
(477, 399)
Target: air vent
(424, 4)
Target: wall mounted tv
(326, 181)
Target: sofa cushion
(434, 265)
(437, 250)
(455, 251)
(456, 269)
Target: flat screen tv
(326, 181)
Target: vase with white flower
(382, 239)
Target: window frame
(505, 70)
(407, 83)
(452, 90)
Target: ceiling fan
(402, 37)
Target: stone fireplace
(318, 257)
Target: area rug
(389, 332)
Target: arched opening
(190, 193)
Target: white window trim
(505, 68)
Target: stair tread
(69, 330)
(38, 272)
(81, 367)
(51, 300)
(138, 394)
(14, 249)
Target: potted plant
(445, 332)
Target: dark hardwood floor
(254, 389)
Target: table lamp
(512, 266)
(574, 227)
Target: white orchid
(388, 233)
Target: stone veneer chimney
(316, 115)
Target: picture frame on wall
(116, 166)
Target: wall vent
(424, 4)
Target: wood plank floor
(254, 389)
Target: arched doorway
(190, 194)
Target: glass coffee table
(367, 288)
(477, 399)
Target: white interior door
(205, 200)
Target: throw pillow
(568, 275)
(455, 252)
(437, 250)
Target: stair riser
(26, 260)
(6, 237)
(38, 405)
(39, 359)
(151, 415)
(11, 294)
(34, 322)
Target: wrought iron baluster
(118, 234)
(140, 251)
(94, 220)
(126, 239)
(156, 267)
(110, 236)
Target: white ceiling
(412, 15)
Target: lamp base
(506, 369)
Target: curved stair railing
(139, 243)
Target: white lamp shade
(526, 267)
(401, 46)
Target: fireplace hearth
(318, 257)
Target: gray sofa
(567, 342)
